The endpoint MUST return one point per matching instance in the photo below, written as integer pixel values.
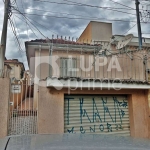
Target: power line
(29, 20)
(98, 6)
(130, 29)
(68, 13)
(43, 26)
(15, 2)
(46, 27)
(115, 39)
(28, 25)
(75, 18)
(84, 5)
(14, 32)
(26, 21)
(123, 33)
(32, 9)
(17, 32)
(54, 16)
(127, 31)
(146, 33)
(121, 4)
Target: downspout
(38, 85)
(50, 59)
(40, 62)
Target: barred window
(67, 66)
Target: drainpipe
(40, 62)
(50, 59)
(39, 73)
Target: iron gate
(23, 114)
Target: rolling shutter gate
(96, 114)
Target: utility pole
(138, 23)
(4, 36)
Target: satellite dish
(125, 41)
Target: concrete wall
(96, 31)
(101, 31)
(139, 114)
(51, 110)
(4, 103)
(86, 35)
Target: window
(67, 66)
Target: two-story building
(79, 89)
(17, 68)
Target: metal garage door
(96, 114)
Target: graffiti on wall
(101, 117)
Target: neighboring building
(89, 100)
(96, 31)
(17, 68)
(5, 73)
(7, 70)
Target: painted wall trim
(59, 84)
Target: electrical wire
(82, 17)
(16, 41)
(83, 5)
(26, 21)
(30, 22)
(64, 13)
(28, 25)
(127, 31)
(14, 32)
(121, 4)
(17, 32)
(54, 16)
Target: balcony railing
(111, 67)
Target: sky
(44, 18)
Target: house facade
(78, 89)
(17, 68)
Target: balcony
(110, 69)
